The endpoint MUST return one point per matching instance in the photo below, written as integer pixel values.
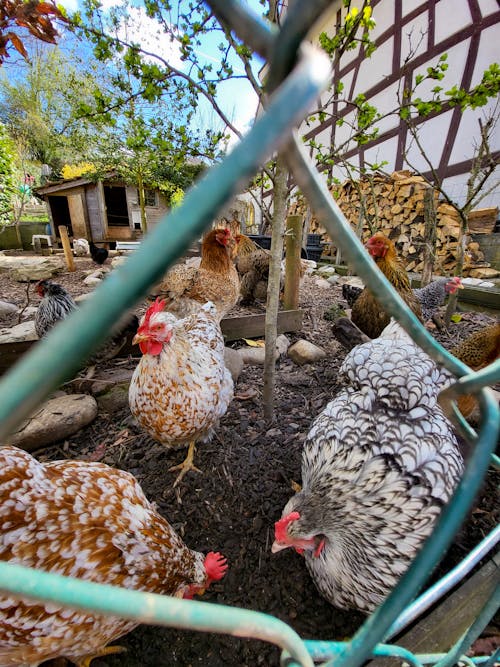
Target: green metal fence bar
(54, 359)
(454, 513)
(486, 614)
(445, 584)
(150, 608)
(324, 650)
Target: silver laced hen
(378, 464)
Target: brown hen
(85, 520)
(185, 288)
(367, 313)
(477, 351)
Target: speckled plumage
(431, 297)
(378, 464)
(56, 304)
(85, 520)
(179, 395)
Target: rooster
(186, 288)
(431, 296)
(99, 255)
(181, 387)
(57, 303)
(90, 521)
(367, 313)
(378, 465)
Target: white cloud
(70, 5)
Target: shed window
(149, 198)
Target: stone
(114, 399)
(24, 269)
(326, 271)
(7, 308)
(23, 331)
(56, 420)
(117, 261)
(234, 362)
(29, 312)
(282, 344)
(322, 283)
(93, 280)
(483, 273)
(303, 352)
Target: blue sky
(236, 98)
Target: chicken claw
(186, 465)
(108, 650)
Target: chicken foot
(108, 650)
(186, 465)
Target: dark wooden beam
(252, 326)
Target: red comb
(280, 534)
(156, 307)
(215, 566)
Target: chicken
(185, 288)
(367, 313)
(378, 465)
(477, 351)
(57, 304)
(99, 255)
(181, 386)
(431, 297)
(81, 247)
(252, 264)
(90, 521)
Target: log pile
(394, 205)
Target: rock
(304, 352)
(116, 261)
(23, 331)
(326, 271)
(234, 362)
(93, 280)
(24, 269)
(483, 273)
(29, 312)
(82, 297)
(113, 400)
(7, 308)
(282, 344)
(253, 356)
(322, 283)
(333, 280)
(55, 420)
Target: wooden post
(68, 255)
(293, 245)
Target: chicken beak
(460, 286)
(138, 338)
(277, 546)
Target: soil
(232, 505)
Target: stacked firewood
(395, 206)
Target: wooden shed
(106, 210)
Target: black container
(314, 240)
(314, 252)
(261, 240)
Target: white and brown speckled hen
(90, 521)
(181, 386)
(378, 464)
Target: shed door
(94, 210)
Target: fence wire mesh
(298, 73)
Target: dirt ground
(232, 506)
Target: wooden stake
(68, 254)
(293, 244)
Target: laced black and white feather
(55, 305)
(378, 464)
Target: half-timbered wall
(410, 36)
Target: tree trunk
(293, 246)
(430, 222)
(273, 285)
(461, 246)
(142, 202)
